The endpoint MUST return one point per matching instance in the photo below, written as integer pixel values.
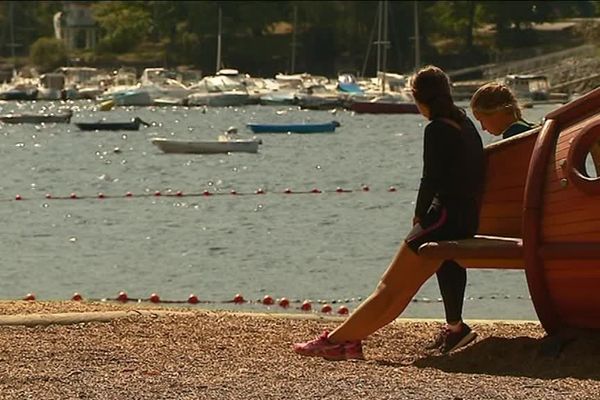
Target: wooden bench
(479, 252)
(498, 244)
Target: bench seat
(481, 251)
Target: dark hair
(431, 87)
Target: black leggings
(439, 224)
(452, 280)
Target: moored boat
(207, 147)
(294, 128)
(19, 94)
(133, 125)
(37, 118)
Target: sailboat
(225, 88)
(391, 102)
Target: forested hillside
(322, 37)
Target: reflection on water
(317, 246)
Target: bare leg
(403, 278)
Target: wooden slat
(576, 228)
(500, 210)
(570, 216)
(479, 247)
(510, 227)
(492, 263)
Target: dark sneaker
(322, 347)
(439, 340)
(454, 340)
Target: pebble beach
(96, 350)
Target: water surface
(326, 246)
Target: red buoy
(18, 197)
(285, 303)
(326, 308)
(76, 297)
(193, 299)
(73, 195)
(267, 300)
(287, 191)
(391, 189)
(306, 306)
(128, 194)
(122, 297)
(343, 310)
(154, 298)
(157, 193)
(238, 298)
(29, 297)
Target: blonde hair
(495, 97)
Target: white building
(75, 25)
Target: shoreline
(153, 353)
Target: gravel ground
(223, 355)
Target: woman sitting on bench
(447, 209)
(498, 111)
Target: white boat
(528, 87)
(207, 147)
(218, 91)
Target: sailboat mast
(11, 12)
(379, 39)
(218, 67)
(385, 44)
(293, 62)
(417, 41)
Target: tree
(125, 24)
(48, 54)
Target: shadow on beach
(523, 357)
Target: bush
(47, 54)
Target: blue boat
(294, 128)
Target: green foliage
(328, 33)
(48, 54)
(124, 24)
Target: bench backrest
(507, 163)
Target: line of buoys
(267, 300)
(204, 193)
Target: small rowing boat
(295, 128)
(37, 118)
(207, 147)
(133, 125)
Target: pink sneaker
(322, 347)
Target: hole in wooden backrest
(591, 167)
(583, 160)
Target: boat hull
(294, 128)
(108, 126)
(36, 119)
(206, 147)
